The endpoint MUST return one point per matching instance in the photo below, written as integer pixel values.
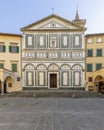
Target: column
(2, 88)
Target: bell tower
(78, 21)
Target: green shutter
(99, 52)
(4, 48)
(90, 53)
(14, 67)
(89, 68)
(10, 48)
(1, 65)
(17, 49)
(98, 66)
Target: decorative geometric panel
(53, 55)
(66, 55)
(41, 78)
(77, 41)
(29, 38)
(66, 41)
(65, 67)
(29, 67)
(41, 55)
(65, 77)
(41, 67)
(76, 78)
(53, 41)
(77, 67)
(41, 41)
(53, 67)
(29, 78)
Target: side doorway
(99, 83)
(8, 84)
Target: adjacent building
(53, 53)
(94, 76)
(10, 62)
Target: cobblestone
(51, 114)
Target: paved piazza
(51, 114)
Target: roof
(46, 18)
(94, 34)
(10, 34)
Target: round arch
(8, 83)
(41, 67)
(29, 66)
(99, 83)
(53, 67)
(77, 66)
(65, 66)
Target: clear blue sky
(15, 14)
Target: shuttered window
(90, 53)
(98, 66)
(99, 52)
(2, 48)
(14, 67)
(89, 68)
(1, 65)
(14, 49)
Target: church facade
(53, 53)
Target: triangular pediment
(52, 22)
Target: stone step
(41, 93)
(46, 88)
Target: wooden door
(53, 80)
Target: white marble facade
(53, 54)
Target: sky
(15, 14)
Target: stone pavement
(51, 114)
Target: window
(41, 79)
(90, 79)
(99, 52)
(89, 67)
(14, 67)
(65, 40)
(53, 43)
(77, 40)
(90, 53)
(89, 40)
(2, 48)
(77, 78)
(41, 41)
(65, 78)
(1, 65)
(29, 78)
(99, 40)
(98, 66)
(18, 78)
(29, 41)
(14, 49)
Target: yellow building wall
(8, 58)
(93, 60)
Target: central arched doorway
(99, 83)
(8, 84)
